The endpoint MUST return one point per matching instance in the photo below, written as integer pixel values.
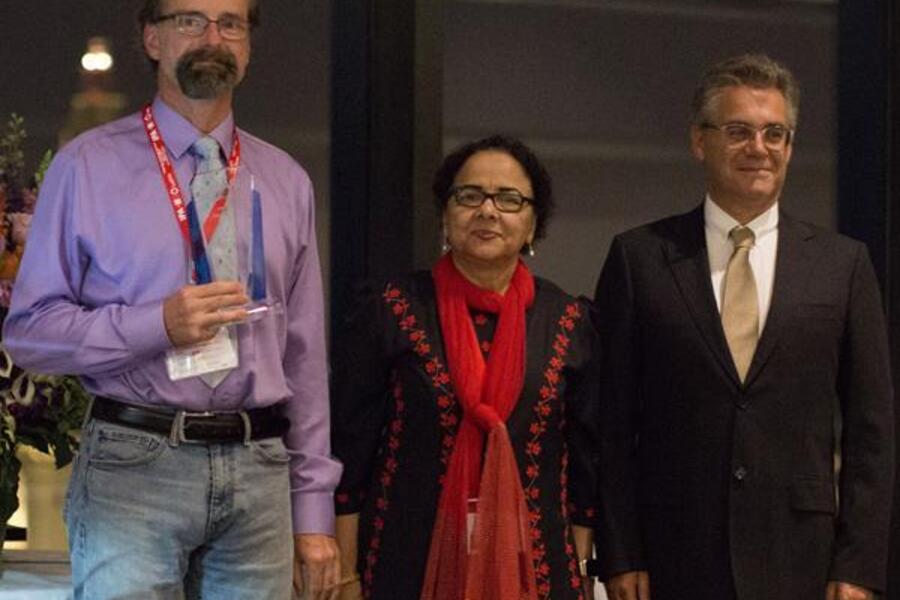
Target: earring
(530, 249)
(445, 246)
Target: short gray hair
(751, 70)
(151, 11)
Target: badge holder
(216, 354)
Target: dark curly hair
(541, 184)
(151, 11)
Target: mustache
(207, 72)
(216, 55)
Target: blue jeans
(148, 519)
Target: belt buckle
(177, 436)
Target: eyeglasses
(774, 136)
(194, 24)
(507, 201)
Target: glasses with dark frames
(508, 201)
(194, 24)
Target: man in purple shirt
(185, 484)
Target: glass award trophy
(260, 306)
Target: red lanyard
(170, 181)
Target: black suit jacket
(722, 489)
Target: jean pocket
(270, 450)
(115, 446)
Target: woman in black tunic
(433, 393)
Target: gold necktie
(740, 307)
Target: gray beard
(207, 73)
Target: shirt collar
(180, 134)
(720, 222)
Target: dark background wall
(602, 90)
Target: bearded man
(207, 445)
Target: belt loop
(176, 434)
(248, 427)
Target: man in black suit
(742, 347)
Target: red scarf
(500, 564)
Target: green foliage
(42, 168)
(12, 155)
(55, 410)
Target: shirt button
(740, 473)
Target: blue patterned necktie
(208, 184)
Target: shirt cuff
(313, 512)
(145, 330)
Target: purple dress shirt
(105, 250)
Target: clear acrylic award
(261, 305)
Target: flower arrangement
(41, 411)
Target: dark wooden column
(385, 139)
(869, 193)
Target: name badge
(217, 354)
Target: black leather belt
(198, 427)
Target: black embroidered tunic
(395, 419)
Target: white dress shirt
(762, 255)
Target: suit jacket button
(740, 473)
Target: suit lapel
(792, 267)
(688, 259)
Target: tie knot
(742, 237)
(207, 150)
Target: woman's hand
(316, 566)
(346, 530)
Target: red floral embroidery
(448, 416)
(382, 501)
(440, 378)
(572, 563)
(548, 397)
